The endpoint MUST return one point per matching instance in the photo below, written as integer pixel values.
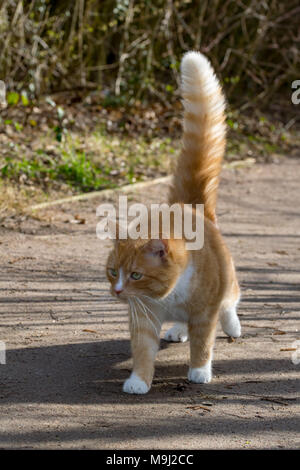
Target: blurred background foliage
(131, 49)
(93, 88)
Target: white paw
(177, 334)
(232, 326)
(135, 385)
(200, 375)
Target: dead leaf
(89, 331)
(78, 220)
(198, 407)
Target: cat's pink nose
(118, 291)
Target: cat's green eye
(136, 276)
(113, 272)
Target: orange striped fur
(197, 175)
(192, 288)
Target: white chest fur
(175, 302)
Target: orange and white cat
(159, 278)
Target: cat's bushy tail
(196, 177)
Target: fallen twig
(197, 407)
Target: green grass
(75, 170)
(86, 163)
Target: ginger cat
(159, 278)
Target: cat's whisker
(157, 302)
(150, 311)
(135, 315)
(133, 319)
(143, 307)
(137, 308)
(131, 313)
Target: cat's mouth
(121, 297)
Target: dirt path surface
(68, 347)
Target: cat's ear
(157, 248)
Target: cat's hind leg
(230, 321)
(177, 334)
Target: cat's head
(145, 267)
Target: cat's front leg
(144, 330)
(202, 336)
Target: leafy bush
(131, 49)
